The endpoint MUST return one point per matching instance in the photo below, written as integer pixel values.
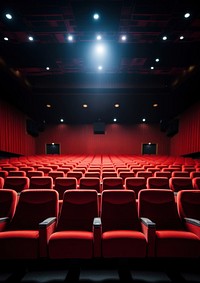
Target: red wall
(188, 138)
(13, 136)
(118, 139)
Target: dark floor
(104, 271)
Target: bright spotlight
(100, 49)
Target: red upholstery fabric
(1, 182)
(43, 182)
(196, 183)
(172, 238)
(109, 183)
(74, 237)
(121, 231)
(21, 238)
(65, 183)
(90, 183)
(180, 183)
(8, 203)
(188, 202)
(157, 183)
(16, 183)
(136, 184)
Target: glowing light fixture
(96, 16)
(9, 16)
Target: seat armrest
(97, 231)
(192, 225)
(149, 228)
(46, 228)
(192, 221)
(147, 222)
(97, 222)
(47, 222)
(3, 223)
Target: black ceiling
(126, 77)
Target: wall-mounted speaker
(173, 127)
(32, 128)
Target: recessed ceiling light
(96, 16)
(85, 105)
(164, 37)
(98, 37)
(114, 120)
(187, 15)
(181, 37)
(6, 38)
(9, 16)
(155, 105)
(30, 38)
(143, 120)
(117, 105)
(48, 105)
(70, 37)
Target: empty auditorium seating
(27, 234)
(126, 174)
(109, 183)
(194, 174)
(35, 173)
(122, 235)
(1, 182)
(17, 183)
(107, 174)
(180, 183)
(144, 174)
(17, 173)
(45, 169)
(8, 203)
(65, 183)
(180, 174)
(74, 237)
(54, 174)
(75, 174)
(136, 184)
(172, 238)
(41, 182)
(196, 183)
(157, 183)
(163, 174)
(3, 173)
(188, 203)
(90, 183)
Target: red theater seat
(109, 183)
(180, 183)
(74, 236)
(196, 183)
(8, 203)
(26, 236)
(43, 182)
(65, 183)
(90, 183)
(188, 203)
(172, 238)
(122, 234)
(136, 184)
(157, 183)
(17, 183)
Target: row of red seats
(158, 227)
(132, 183)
